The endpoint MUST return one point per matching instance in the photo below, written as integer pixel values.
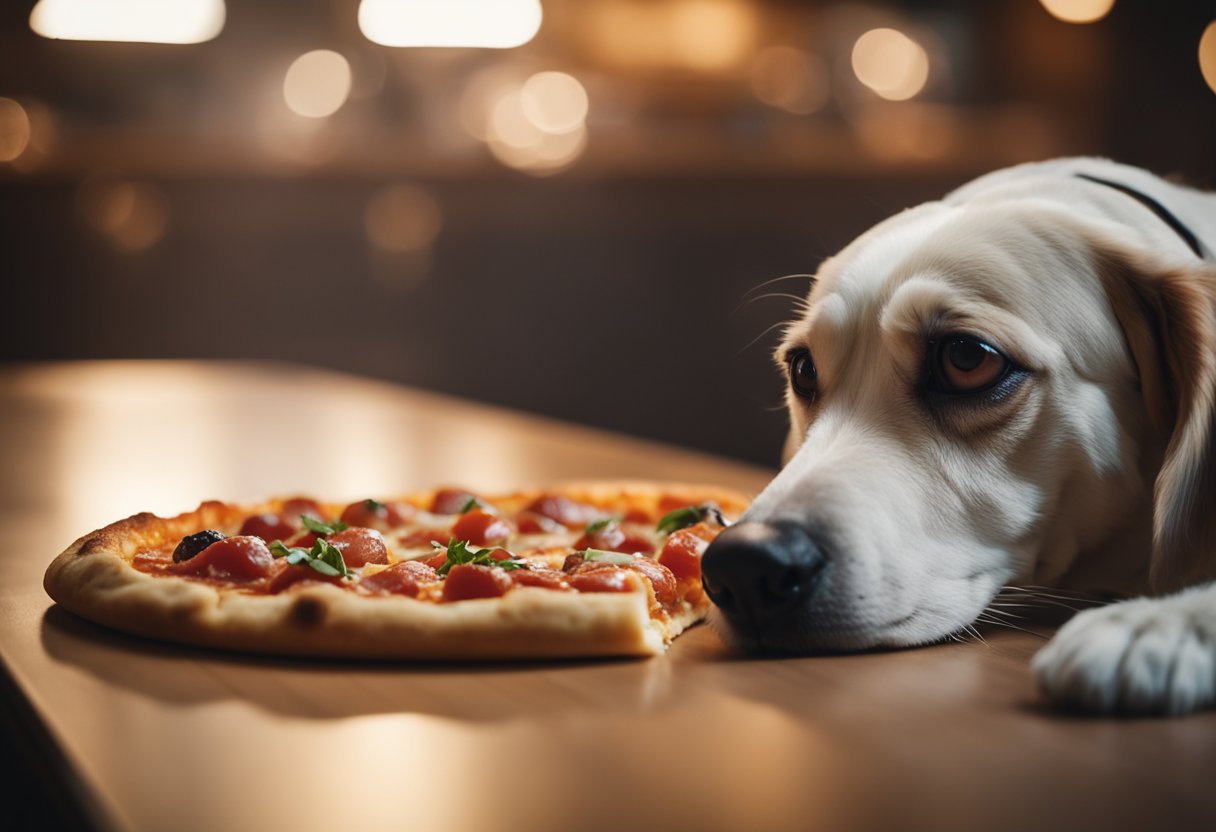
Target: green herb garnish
(682, 518)
(602, 556)
(459, 554)
(317, 527)
(324, 557)
(469, 506)
(374, 506)
(600, 525)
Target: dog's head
(978, 396)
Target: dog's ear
(1168, 315)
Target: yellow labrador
(1014, 385)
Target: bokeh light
(554, 101)
(132, 215)
(791, 79)
(143, 21)
(890, 63)
(535, 124)
(14, 129)
(1078, 11)
(317, 83)
(1207, 55)
(402, 218)
(487, 24)
(699, 35)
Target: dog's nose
(756, 571)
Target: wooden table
(154, 737)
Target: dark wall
(622, 303)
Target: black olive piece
(192, 544)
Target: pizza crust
(94, 579)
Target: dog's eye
(803, 376)
(967, 365)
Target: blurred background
(569, 207)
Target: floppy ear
(1168, 315)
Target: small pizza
(579, 570)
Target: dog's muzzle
(754, 572)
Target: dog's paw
(1148, 655)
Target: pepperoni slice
(293, 508)
(614, 538)
(564, 510)
(375, 515)
(529, 522)
(404, 578)
(360, 546)
(604, 578)
(540, 577)
(660, 578)
(238, 559)
(267, 527)
(453, 500)
(293, 574)
(424, 537)
(468, 581)
(682, 553)
(480, 528)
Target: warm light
(791, 79)
(890, 63)
(402, 218)
(317, 83)
(711, 34)
(1078, 11)
(702, 35)
(1207, 55)
(517, 140)
(133, 215)
(14, 129)
(551, 155)
(145, 21)
(909, 132)
(554, 101)
(489, 24)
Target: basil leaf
(682, 518)
(317, 527)
(459, 554)
(325, 569)
(324, 557)
(327, 559)
(601, 556)
(469, 506)
(281, 550)
(374, 506)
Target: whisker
(995, 611)
(1010, 625)
(778, 279)
(1052, 592)
(798, 299)
(758, 338)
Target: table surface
(159, 737)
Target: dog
(1014, 385)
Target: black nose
(756, 571)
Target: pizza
(591, 569)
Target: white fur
(925, 515)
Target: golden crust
(94, 579)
